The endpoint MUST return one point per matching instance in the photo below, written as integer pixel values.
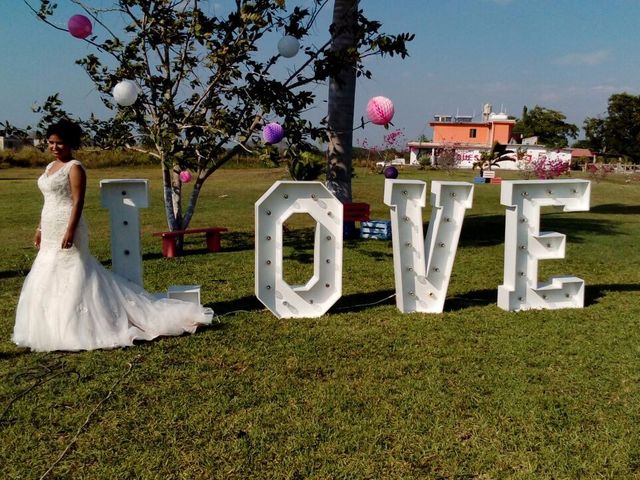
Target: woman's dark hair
(70, 132)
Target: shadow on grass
(479, 231)
(145, 256)
(475, 298)
(351, 303)
(488, 230)
(578, 228)
(231, 242)
(381, 256)
(616, 209)
(14, 273)
(357, 302)
(237, 241)
(14, 354)
(593, 293)
(243, 304)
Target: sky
(566, 55)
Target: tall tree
(348, 29)
(618, 132)
(594, 134)
(342, 92)
(548, 125)
(205, 85)
(621, 128)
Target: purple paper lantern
(272, 133)
(380, 110)
(185, 176)
(390, 172)
(79, 26)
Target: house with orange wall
(468, 138)
(483, 134)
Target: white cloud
(557, 93)
(588, 58)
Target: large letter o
(324, 288)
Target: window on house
(472, 133)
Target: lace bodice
(57, 208)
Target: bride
(69, 301)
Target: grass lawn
(364, 391)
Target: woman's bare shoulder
(74, 162)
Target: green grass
(362, 392)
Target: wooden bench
(170, 249)
(354, 212)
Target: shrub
(599, 172)
(446, 158)
(546, 168)
(308, 166)
(30, 157)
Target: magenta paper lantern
(185, 176)
(390, 172)
(380, 110)
(272, 133)
(79, 26)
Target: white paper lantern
(125, 93)
(288, 46)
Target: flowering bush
(392, 139)
(599, 172)
(392, 144)
(545, 168)
(446, 158)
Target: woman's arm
(78, 182)
(37, 237)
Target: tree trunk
(192, 201)
(168, 197)
(172, 189)
(342, 91)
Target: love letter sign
(422, 265)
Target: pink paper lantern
(79, 26)
(272, 133)
(185, 176)
(380, 110)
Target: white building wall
(466, 158)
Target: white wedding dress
(69, 301)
